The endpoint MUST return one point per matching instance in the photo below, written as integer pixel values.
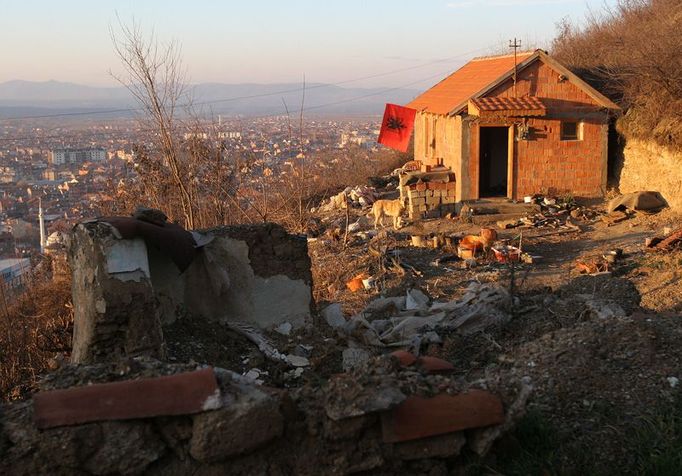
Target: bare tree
(155, 78)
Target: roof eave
(539, 54)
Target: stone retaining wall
(647, 166)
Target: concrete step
(501, 207)
(493, 218)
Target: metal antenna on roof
(515, 44)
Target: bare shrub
(631, 51)
(33, 329)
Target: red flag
(397, 126)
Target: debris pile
(144, 416)
(672, 240)
(359, 196)
(552, 213)
(413, 320)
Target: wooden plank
(179, 394)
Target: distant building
(363, 139)
(13, 271)
(229, 135)
(7, 175)
(76, 156)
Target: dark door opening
(493, 156)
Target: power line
(252, 96)
(179, 128)
(316, 106)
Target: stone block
(249, 418)
(440, 446)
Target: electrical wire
(252, 96)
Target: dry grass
(631, 52)
(33, 330)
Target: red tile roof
(465, 82)
(526, 106)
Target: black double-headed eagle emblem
(395, 123)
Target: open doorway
(493, 156)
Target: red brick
(435, 365)
(419, 417)
(406, 358)
(178, 394)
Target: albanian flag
(397, 126)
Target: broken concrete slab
(125, 290)
(247, 419)
(346, 396)
(352, 357)
(333, 315)
(178, 394)
(266, 265)
(639, 201)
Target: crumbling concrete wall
(254, 273)
(115, 311)
(647, 166)
(125, 290)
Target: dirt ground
(596, 379)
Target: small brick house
(546, 132)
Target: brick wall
(430, 198)
(546, 164)
(437, 139)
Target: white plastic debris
(416, 299)
(673, 381)
(413, 321)
(284, 328)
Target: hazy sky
(270, 41)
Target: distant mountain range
(30, 98)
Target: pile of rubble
(143, 416)
(413, 320)
(133, 402)
(359, 196)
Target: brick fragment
(419, 417)
(435, 365)
(180, 394)
(404, 357)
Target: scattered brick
(406, 358)
(419, 417)
(435, 365)
(180, 394)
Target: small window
(571, 131)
